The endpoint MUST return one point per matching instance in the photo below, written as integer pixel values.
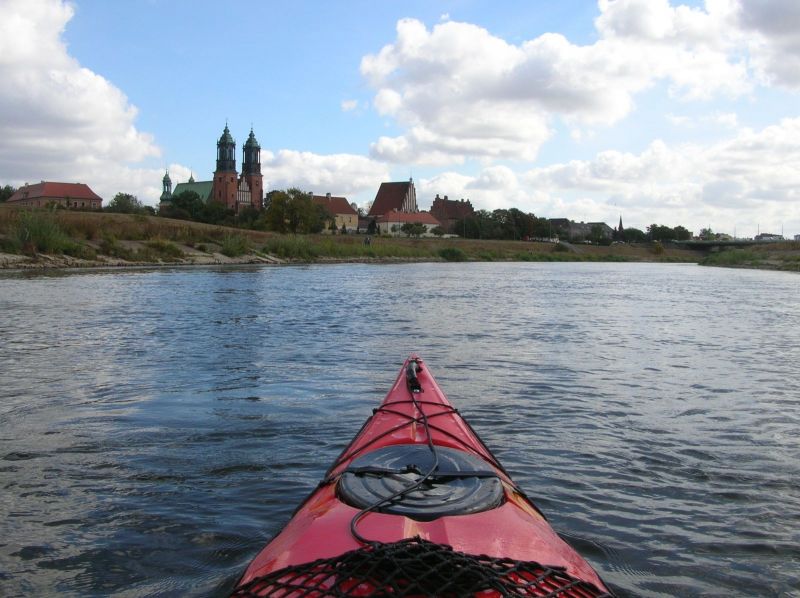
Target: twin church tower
(228, 187)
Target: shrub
(39, 232)
(452, 254)
(234, 245)
(81, 251)
(732, 257)
(293, 247)
(658, 248)
(165, 248)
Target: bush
(452, 254)
(291, 248)
(234, 245)
(732, 257)
(81, 251)
(39, 232)
(658, 248)
(165, 248)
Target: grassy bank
(774, 256)
(90, 238)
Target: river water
(157, 427)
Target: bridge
(717, 245)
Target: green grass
(39, 232)
(165, 248)
(234, 245)
(733, 257)
(452, 254)
(291, 247)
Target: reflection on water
(158, 426)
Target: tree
(372, 227)
(293, 211)
(438, 231)
(707, 234)
(186, 205)
(682, 234)
(634, 235)
(125, 203)
(597, 236)
(659, 232)
(6, 192)
(216, 212)
(413, 229)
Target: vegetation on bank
(140, 238)
(774, 256)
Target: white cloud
(774, 43)
(460, 92)
(338, 174)
(752, 177)
(726, 119)
(349, 105)
(749, 179)
(61, 121)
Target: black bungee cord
(414, 388)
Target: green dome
(226, 136)
(252, 141)
(166, 178)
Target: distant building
(568, 229)
(797, 237)
(228, 187)
(401, 197)
(340, 211)
(768, 237)
(391, 222)
(68, 195)
(450, 211)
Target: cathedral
(228, 187)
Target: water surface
(157, 427)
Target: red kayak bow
(417, 505)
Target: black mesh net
(416, 567)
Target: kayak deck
(417, 505)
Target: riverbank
(66, 239)
(783, 256)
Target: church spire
(166, 194)
(226, 152)
(251, 155)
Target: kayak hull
(322, 527)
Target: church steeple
(251, 170)
(226, 152)
(251, 155)
(166, 194)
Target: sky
(649, 110)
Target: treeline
(289, 211)
(514, 224)
(293, 211)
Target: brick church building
(228, 187)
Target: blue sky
(662, 112)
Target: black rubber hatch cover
(461, 484)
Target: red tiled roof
(334, 205)
(423, 217)
(390, 197)
(55, 191)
